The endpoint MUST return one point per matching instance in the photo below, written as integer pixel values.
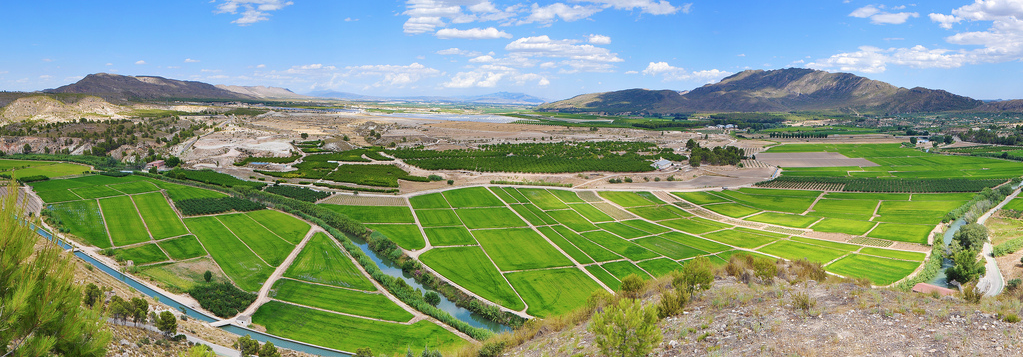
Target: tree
(269, 350)
(691, 144)
(140, 307)
(92, 294)
(304, 136)
(912, 140)
(971, 236)
(41, 309)
(697, 275)
(26, 149)
(167, 323)
(248, 346)
(364, 352)
(119, 308)
(631, 286)
(966, 268)
(626, 329)
(432, 298)
(208, 275)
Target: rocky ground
(735, 319)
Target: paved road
(992, 282)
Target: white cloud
(473, 33)
(140, 62)
(252, 11)
(455, 51)
(547, 14)
(631, 72)
(427, 15)
(109, 64)
(880, 17)
(47, 60)
(189, 60)
(646, 6)
(488, 76)
(483, 59)
(599, 40)
(45, 77)
(867, 60)
(261, 66)
(393, 75)
(349, 19)
(672, 73)
(587, 58)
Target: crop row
(298, 193)
(213, 178)
(890, 184)
(207, 205)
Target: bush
(491, 349)
(214, 205)
(971, 294)
(626, 329)
(967, 267)
(298, 193)
(631, 287)
(434, 178)
(32, 178)
(696, 276)
(803, 302)
(672, 303)
(223, 300)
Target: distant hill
(493, 98)
(793, 89)
(263, 92)
(122, 88)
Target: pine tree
(41, 311)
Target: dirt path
(264, 292)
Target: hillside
(735, 318)
(263, 92)
(793, 89)
(47, 109)
(122, 88)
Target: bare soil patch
(812, 159)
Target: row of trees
(223, 299)
(853, 184)
(213, 205)
(1015, 137)
(719, 155)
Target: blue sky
(551, 49)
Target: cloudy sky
(551, 49)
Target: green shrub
(223, 300)
(626, 329)
(631, 287)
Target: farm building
(158, 164)
(661, 164)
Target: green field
(504, 195)
(91, 192)
(622, 269)
(1015, 204)
(321, 261)
(659, 267)
(838, 225)
(591, 249)
(433, 200)
(659, 213)
(733, 210)
(879, 271)
(694, 225)
(519, 249)
(140, 255)
(533, 215)
(566, 196)
(591, 213)
(779, 202)
(449, 236)
(553, 292)
(739, 238)
(123, 221)
(57, 196)
(604, 276)
(901, 232)
(437, 218)
(374, 214)
(572, 220)
(182, 192)
(135, 187)
(406, 236)
(266, 244)
(844, 208)
(83, 219)
(472, 197)
(915, 212)
(794, 251)
(353, 302)
(827, 243)
(497, 217)
(784, 219)
(669, 248)
(622, 230)
(894, 254)
(700, 197)
(628, 199)
(696, 242)
(646, 226)
(239, 263)
(161, 219)
(351, 333)
(565, 245)
(543, 199)
(625, 248)
(284, 225)
(21, 168)
(186, 247)
(470, 268)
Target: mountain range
(125, 88)
(792, 89)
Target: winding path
(992, 282)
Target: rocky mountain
(123, 88)
(493, 98)
(792, 89)
(263, 92)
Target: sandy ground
(812, 159)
